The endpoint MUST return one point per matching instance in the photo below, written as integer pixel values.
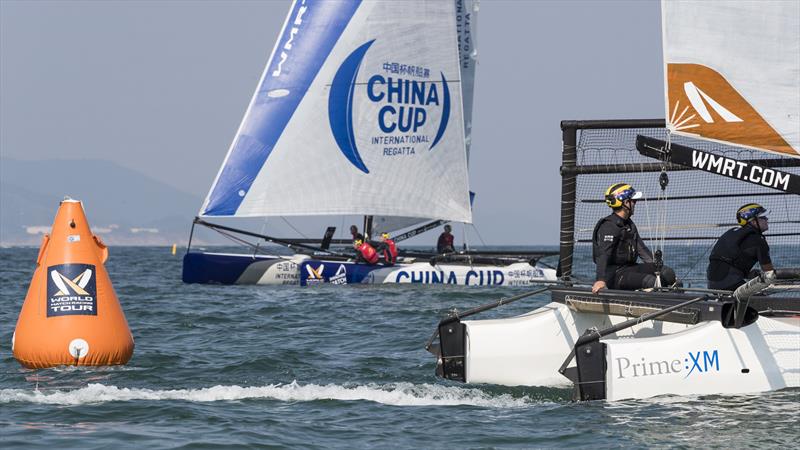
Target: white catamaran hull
(649, 359)
(527, 350)
(706, 359)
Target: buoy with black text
(71, 315)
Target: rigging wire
(263, 231)
(293, 228)
(233, 238)
(466, 243)
(264, 225)
(661, 220)
(479, 235)
(686, 273)
(256, 248)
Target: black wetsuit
(734, 254)
(616, 245)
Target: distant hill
(124, 207)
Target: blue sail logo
(405, 95)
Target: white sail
(359, 111)
(387, 224)
(733, 72)
(467, 25)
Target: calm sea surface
(248, 366)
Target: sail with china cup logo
(364, 108)
(358, 112)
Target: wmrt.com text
(740, 170)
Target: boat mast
(367, 227)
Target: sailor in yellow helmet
(365, 253)
(387, 249)
(616, 246)
(738, 249)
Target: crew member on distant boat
(365, 253)
(356, 235)
(445, 243)
(738, 250)
(387, 249)
(616, 245)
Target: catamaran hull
(689, 354)
(229, 268)
(705, 359)
(517, 274)
(527, 350)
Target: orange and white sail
(732, 72)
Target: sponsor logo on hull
(475, 277)
(471, 278)
(340, 277)
(314, 274)
(285, 272)
(318, 272)
(693, 364)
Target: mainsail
(358, 112)
(467, 23)
(733, 72)
(466, 26)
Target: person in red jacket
(387, 249)
(365, 252)
(445, 243)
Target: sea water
(321, 367)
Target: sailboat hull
(689, 352)
(517, 274)
(230, 268)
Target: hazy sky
(160, 87)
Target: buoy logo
(71, 290)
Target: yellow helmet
(358, 242)
(619, 192)
(385, 235)
(749, 212)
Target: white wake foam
(397, 394)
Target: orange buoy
(71, 315)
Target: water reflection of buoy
(71, 315)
